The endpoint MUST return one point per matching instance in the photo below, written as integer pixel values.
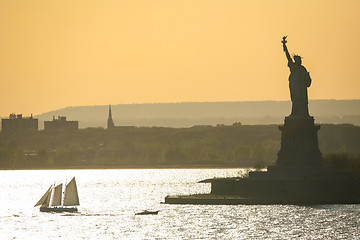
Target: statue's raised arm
(286, 50)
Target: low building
(60, 123)
(17, 123)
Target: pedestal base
(299, 143)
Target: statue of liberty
(299, 81)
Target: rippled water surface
(110, 198)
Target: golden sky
(58, 53)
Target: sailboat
(55, 200)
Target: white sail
(71, 197)
(57, 195)
(45, 199)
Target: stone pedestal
(299, 143)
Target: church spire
(110, 123)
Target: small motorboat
(146, 212)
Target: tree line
(151, 147)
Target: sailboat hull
(58, 209)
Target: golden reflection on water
(110, 198)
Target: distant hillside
(188, 114)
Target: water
(110, 198)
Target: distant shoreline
(135, 167)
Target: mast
(51, 197)
(63, 196)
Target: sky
(55, 54)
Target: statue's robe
(299, 81)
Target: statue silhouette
(299, 81)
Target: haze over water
(110, 198)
